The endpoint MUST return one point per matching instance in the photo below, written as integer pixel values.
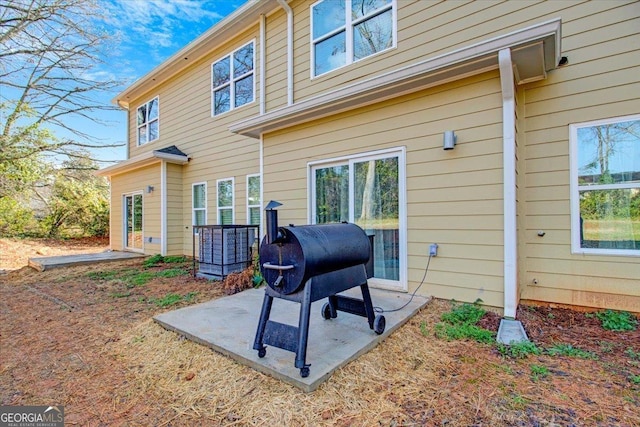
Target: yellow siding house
(505, 132)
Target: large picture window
(367, 190)
(345, 31)
(199, 203)
(225, 201)
(605, 186)
(232, 80)
(148, 121)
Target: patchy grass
(562, 349)
(109, 364)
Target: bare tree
(49, 54)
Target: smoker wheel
(304, 372)
(262, 352)
(326, 311)
(378, 324)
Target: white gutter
(263, 37)
(163, 208)
(287, 9)
(509, 182)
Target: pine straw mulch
(70, 337)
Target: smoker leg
(368, 305)
(264, 317)
(303, 332)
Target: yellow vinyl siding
(602, 80)
(137, 181)
(174, 210)
(186, 121)
(464, 186)
(185, 104)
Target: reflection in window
(253, 199)
(372, 202)
(147, 121)
(607, 167)
(225, 201)
(199, 204)
(232, 80)
(345, 31)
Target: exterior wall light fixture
(450, 139)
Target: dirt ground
(83, 337)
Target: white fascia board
(140, 161)
(461, 63)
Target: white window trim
(259, 205)
(232, 80)
(575, 189)
(194, 209)
(233, 200)
(348, 28)
(401, 284)
(156, 98)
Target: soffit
(535, 50)
(143, 160)
(220, 33)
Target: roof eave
(192, 52)
(141, 161)
(536, 50)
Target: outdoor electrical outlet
(433, 249)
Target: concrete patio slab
(49, 262)
(228, 325)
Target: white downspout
(509, 182)
(163, 208)
(263, 37)
(287, 9)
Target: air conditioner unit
(225, 249)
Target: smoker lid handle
(270, 266)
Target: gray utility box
(223, 249)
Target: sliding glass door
(368, 191)
(133, 221)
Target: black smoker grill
(306, 264)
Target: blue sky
(149, 31)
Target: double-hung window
(225, 201)
(345, 31)
(199, 203)
(253, 199)
(605, 186)
(148, 121)
(232, 80)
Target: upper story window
(344, 31)
(148, 121)
(605, 186)
(232, 80)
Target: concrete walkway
(228, 325)
(48, 262)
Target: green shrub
(153, 260)
(460, 323)
(464, 314)
(617, 320)
(464, 331)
